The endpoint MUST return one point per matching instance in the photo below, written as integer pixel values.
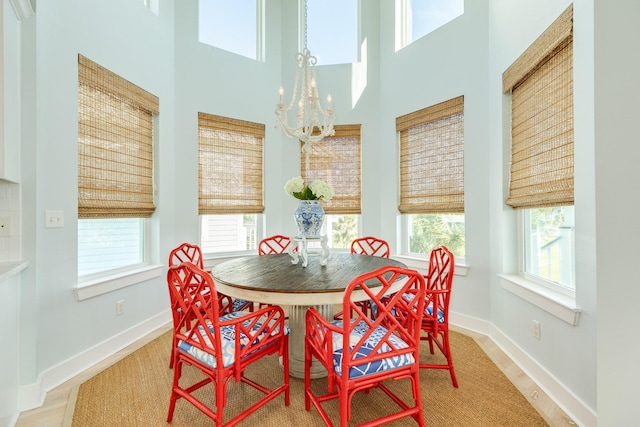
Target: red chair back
(191, 295)
(276, 244)
(186, 252)
(370, 245)
(439, 279)
(399, 316)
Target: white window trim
(260, 31)
(401, 25)
(105, 284)
(550, 300)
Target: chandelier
(312, 122)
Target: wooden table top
(276, 273)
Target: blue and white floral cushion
(227, 335)
(409, 297)
(440, 313)
(238, 304)
(369, 368)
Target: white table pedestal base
(297, 315)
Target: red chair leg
(447, 349)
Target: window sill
(561, 306)
(103, 285)
(9, 269)
(422, 265)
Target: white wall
(467, 57)
(617, 152)
(128, 39)
(565, 353)
(9, 307)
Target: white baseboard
(575, 408)
(32, 395)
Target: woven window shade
(230, 163)
(542, 122)
(115, 145)
(432, 159)
(336, 160)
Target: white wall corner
(22, 8)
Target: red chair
(191, 253)
(222, 347)
(435, 322)
(373, 246)
(276, 244)
(370, 246)
(360, 353)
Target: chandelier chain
(304, 41)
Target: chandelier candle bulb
(281, 91)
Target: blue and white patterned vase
(309, 216)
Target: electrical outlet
(536, 329)
(120, 307)
(53, 219)
(5, 226)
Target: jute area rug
(135, 391)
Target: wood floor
(54, 411)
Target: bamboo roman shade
(115, 145)
(336, 159)
(432, 159)
(541, 85)
(230, 160)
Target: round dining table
(274, 279)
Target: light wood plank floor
(54, 411)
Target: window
(229, 233)
(548, 237)
(341, 230)
(432, 178)
(540, 82)
(230, 193)
(417, 18)
(425, 232)
(336, 43)
(110, 244)
(235, 26)
(115, 170)
(336, 159)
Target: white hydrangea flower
(294, 185)
(318, 190)
(321, 190)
